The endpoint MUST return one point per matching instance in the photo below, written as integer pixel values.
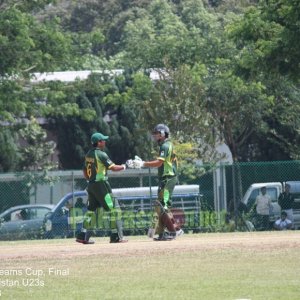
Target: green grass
(202, 266)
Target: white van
(273, 190)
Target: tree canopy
(228, 71)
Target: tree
(8, 150)
(238, 107)
(97, 111)
(24, 5)
(109, 16)
(176, 100)
(154, 37)
(26, 46)
(268, 36)
(243, 78)
(36, 156)
(281, 123)
(200, 91)
(29, 44)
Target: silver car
(23, 221)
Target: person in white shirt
(263, 206)
(283, 223)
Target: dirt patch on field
(142, 246)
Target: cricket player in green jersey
(99, 190)
(166, 162)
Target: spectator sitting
(283, 223)
(79, 203)
(22, 215)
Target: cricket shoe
(84, 238)
(150, 233)
(114, 238)
(165, 237)
(119, 241)
(85, 241)
(179, 232)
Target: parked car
(273, 190)
(66, 217)
(23, 221)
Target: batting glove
(130, 164)
(138, 162)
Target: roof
(70, 76)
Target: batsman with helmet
(166, 162)
(99, 190)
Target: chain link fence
(221, 200)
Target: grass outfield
(261, 265)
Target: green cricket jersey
(168, 156)
(97, 163)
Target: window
(38, 212)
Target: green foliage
(15, 40)
(282, 125)
(25, 5)
(225, 69)
(205, 92)
(187, 161)
(238, 107)
(234, 6)
(12, 104)
(266, 36)
(30, 45)
(87, 49)
(150, 39)
(177, 100)
(8, 150)
(97, 103)
(35, 155)
(269, 38)
(27, 45)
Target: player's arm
(153, 163)
(159, 160)
(85, 173)
(117, 168)
(156, 163)
(138, 163)
(110, 165)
